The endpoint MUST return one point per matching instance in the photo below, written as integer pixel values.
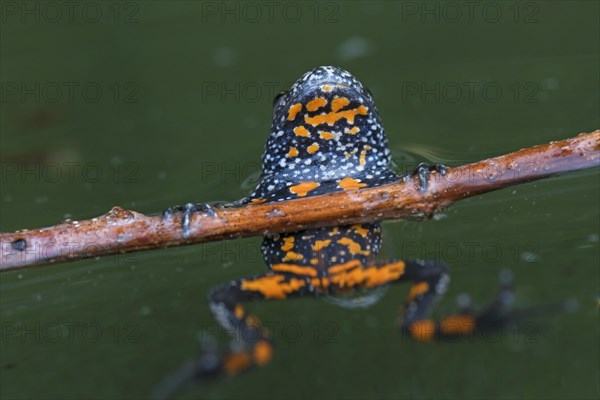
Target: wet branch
(124, 231)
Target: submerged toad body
(327, 136)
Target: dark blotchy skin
(327, 136)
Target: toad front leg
(191, 208)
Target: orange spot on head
(353, 247)
(339, 103)
(360, 230)
(326, 88)
(315, 104)
(418, 289)
(363, 157)
(288, 243)
(326, 135)
(262, 352)
(314, 261)
(320, 244)
(293, 111)
(313, 148)
(350, 184)
(293, 152)
(332, 117)
(303, 188)
(458, 325)
(301, 131)
(292, 256)
(352, 131)
(423, 330)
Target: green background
(159, 135)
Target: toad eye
(276, 99)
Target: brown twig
(124, 231)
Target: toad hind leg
(250, 344)
(254, 347)
(429, 282)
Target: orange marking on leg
(303, 188)
(326, 135)
(236, 362)
(320, 244)
(332, 117)
(423, 330)
(301, 131)
(458, 325)
(315, 104)
(418, 289)
(262, 353)
(239, 311)
(385, 274)
(313, 148)
(339, 103)
(293, 152)
(295, 269)
(273, 287)
(351, 184)
(253, 321)
(293, 111)
(352, 131)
